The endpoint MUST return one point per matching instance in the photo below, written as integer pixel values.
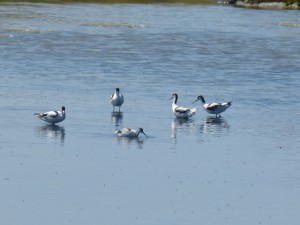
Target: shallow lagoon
(240, 169)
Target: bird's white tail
(193, 110)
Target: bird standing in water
(180, 111)
(215, 107)
(117, 99)
(128, 132)
(53, 117)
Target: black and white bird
(128, 132)
(117, 99)
(214, 107)
(180, 111)
(53, 117)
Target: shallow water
(240, 169)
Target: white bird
(117, 99)
(128, 132)
(215, 107)
(180, 111)
(53, 116)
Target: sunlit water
(242, 168)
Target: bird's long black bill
(195, 101)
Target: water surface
(239, 169)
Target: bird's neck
(203, 101)
(174, 105)
(175, 99)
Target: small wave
(266, 5)
(28, 30)
(115, 25)
(6, 36)
(288, 24)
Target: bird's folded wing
(213, 106)
(125, 130)
(50, 114)
(226, 103)
(181, 109)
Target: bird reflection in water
(214, 125)
(52, 132)
(117, 118)
(181, 124)
(131, 141)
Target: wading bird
(53, 116)
(180, 111)
(117, 99)
(128, 132)
(215, 107)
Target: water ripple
(288, 24)
(29, 30)
(6, 36)
(115, 25)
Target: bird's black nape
(176, 97)
(200, 97)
